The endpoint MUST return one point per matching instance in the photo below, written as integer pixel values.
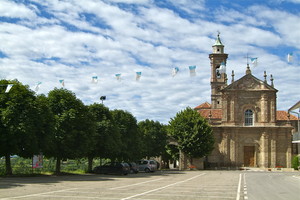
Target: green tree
(295, 162)
(171, 153)
(154, 137)
(18, 119)
(107, 140)
(130, 136)
(73, 127)
(45, 124)
(192, 132)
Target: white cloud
(285, 24)
(131, 1)
(14, 10)
(192, 7)
(281, 1)
(86, 37)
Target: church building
(248, 129)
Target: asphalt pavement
(187, 185)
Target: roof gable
(204, 105)
(248, 83)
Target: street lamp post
(102, 98)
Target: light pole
(102, 98)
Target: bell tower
(218, 73)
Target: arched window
(218, 73)
(248, 118)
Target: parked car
(113, 168)
(134, 168)
(147, 165)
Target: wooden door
(249, 156)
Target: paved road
(189, 185)
(270, 185)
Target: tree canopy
(107, 139)
(154, 137)
(130, 136)
(192, 132)
(73, 126)
(19, 119)
(59, 125)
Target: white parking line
(135, 184)
(298, 177)
(160, 188)
(38, 194)
(245, 188)
(239, 188)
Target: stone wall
(272, 146)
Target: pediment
(249, 82)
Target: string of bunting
(174, 72)
(138, 76)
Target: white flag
(37, 87)
(118, 77)
(62, 82)
(254, 61)
(174, 71)
(138, 76)
(222, 69)
(94, 79)
(290, 57)
(192, 70)
(9, 86)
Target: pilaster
(226, 148)
(264, 150)
(264, 108)
(225, 108)
(232, 110)
(182, 161)
(289, 149)
(232, 149)
(273, 150)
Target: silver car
(147, 165)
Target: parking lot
(157, 185)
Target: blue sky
(74, 40)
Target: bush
(295, 162)
(23, 166)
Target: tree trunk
(8, 169)
(57, 169)
(90, 163)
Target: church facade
(248, 129)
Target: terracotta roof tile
(283, 116)
(215, 113)
(205, 105)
